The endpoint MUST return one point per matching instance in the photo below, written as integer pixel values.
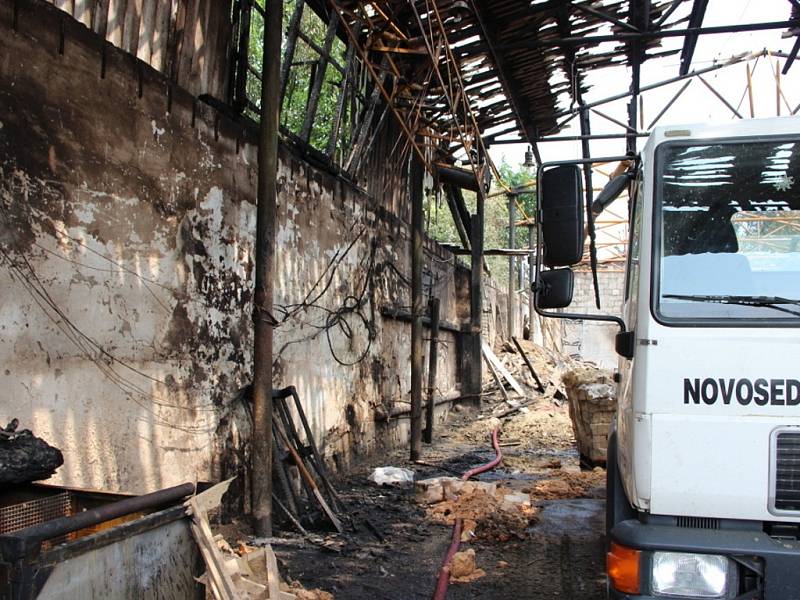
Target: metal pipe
(19, 543)
(646, 88)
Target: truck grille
(787, 471)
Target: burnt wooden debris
(25, 457)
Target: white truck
(703, 495)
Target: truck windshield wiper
(766, 301)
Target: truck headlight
(680, 574)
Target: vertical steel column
(512, 243)
(531, 276)
(476, 300)
(433, 355)
(261, 465)
(415, 178)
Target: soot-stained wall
(127, 225)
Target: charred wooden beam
(792, 56)
(319, 79)
(690, 42)
(460, 178)
(341, 103)
(291, 42)
(459, 212)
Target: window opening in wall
(324, 91)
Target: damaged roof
(520, 60)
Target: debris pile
(548, 366)
(25, 457)
(489, 511)
(567, 484)
(591, 393)
(248, 571)
(540, 426)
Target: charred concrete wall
(126, 269)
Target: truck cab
(704, 460)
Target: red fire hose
(444, 571)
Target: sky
(697, 104)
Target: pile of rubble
(488, 510)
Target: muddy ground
(395, 546)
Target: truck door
(630, 307)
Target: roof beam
(606, 17)
(690, 41)
(667, 13)
(792, 55)
(510, 90)
(590, 40)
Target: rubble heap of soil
(488, 511)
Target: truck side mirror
(624, 343)
(554, 288)
(562, 215)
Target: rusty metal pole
(430, 412)
(512, 243)
(476, 300)
(416, 175)
(531, 276)
(261, 460)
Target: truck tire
(618, 508)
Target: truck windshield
(728, 231)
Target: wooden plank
(130, 33)
(115, 21)
(273, 578)
(158, 57)
(221, 582)
(209, 499)
(147, 26)
(491, 357)
(82, 11)
(496, 378)
(100, 18)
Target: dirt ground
(553, 549)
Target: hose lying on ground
(444, 571)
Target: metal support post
(261, 465)
(416, 175)
(531, 276)
(433, 355)
(476, 300)
(512, 243)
